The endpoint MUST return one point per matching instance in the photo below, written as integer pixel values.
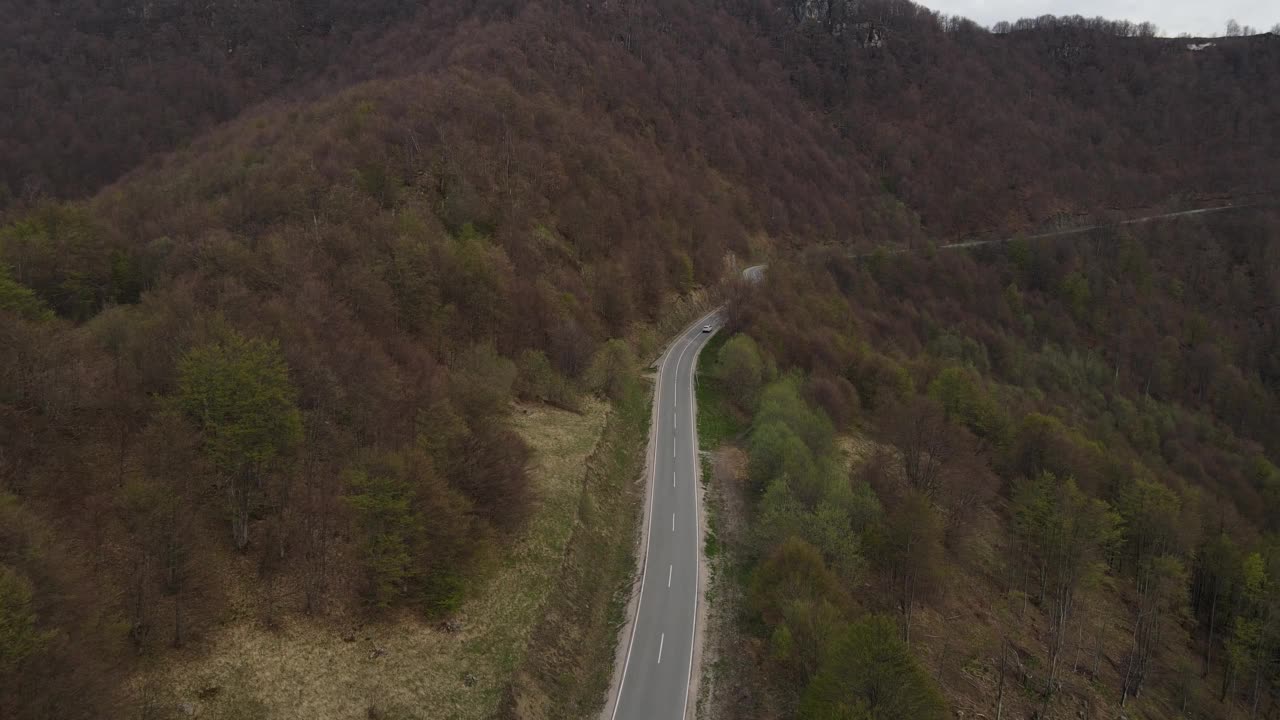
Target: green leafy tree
(911, 548)
(800, 599)
(20, 636)
(19, 299)
(416, 534)
(1150, 514)
(536, 379)
(612, 371)
(829, 527)
(967, 401)
(534, 375)
(1255, 637)
(782, 401)
(390, 529)
(1076, 294)
(1219, 570)
(481, 383)
(1066, 533)
(868, 673)
(153, 514)
(238, 393)
(741, 369)
(776, 451)
(1161, 607)
(880, 380)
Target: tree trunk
(1075, 662)
(1131, 668)
(122, 452)
(1097, 652)
(1004, 652)
(239, 490)
(1022, 613)
(1257, 693)
(910, 600)
(1186, 688)
(1061, 609)
(1213, 612)
(177, 620)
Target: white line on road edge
(669, 567)
(697, 536)
(660, 641)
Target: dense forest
(1073, 452)
(272, 273)
(896, 99)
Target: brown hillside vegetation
(272, 272)
(1073, 506)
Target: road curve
(658, 667)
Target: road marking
(673, 478)
(669, 567)
(660, 641)
(697, 540)
(673, 522)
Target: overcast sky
(1198, 17)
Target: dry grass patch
(570, 662)
(403, 667)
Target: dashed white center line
(660, 641)
(673, 478)
(673, 522)
(669, 575)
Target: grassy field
(403, 668)
(570, 660)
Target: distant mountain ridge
(969, 130)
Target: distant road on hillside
(1091, 228)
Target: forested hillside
(273, 272)
(101, 85)
(1066, 497)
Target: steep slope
(1063, 491)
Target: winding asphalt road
(659, 668)
(1091, 228)
(657, 673)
